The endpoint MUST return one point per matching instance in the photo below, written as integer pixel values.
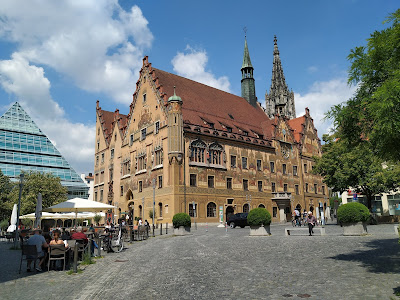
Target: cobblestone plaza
(220, 265)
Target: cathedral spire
(248, 86)
(279, 100)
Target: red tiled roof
(107, 119)
(297, 126)
(203, 104)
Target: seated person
(57, 240)
(91, 228)
(38, 240)
(65, 235)
(79, 235)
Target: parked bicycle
(113, 242)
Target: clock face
(285, 149)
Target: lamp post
(142, 209)
(21, 178)
(154, 201)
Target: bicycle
(113, 243)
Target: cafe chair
(28, 252)
(56, 252)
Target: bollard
(226, 227)
(76, 258)
(161, 229)
(99, 246)
(131, 234)
(153, 231)
(166, 228)
(207, 227)
(90, 245)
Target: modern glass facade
(24, 147)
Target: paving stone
(220, 265)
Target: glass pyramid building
(24, 147)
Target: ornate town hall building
(207, 152)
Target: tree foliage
(374, 111)
(344, 165)
(5, 189)
(34, 182)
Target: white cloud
(312, 69)
(95, 43)
(75, 141)
(320, 97)
(192, 64)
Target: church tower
(248, 86)
(279, 100)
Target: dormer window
(229, 129)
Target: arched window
(262, 206)
(246, 208)
(211, 210)
(197, 150)
(216, 154)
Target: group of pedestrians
(307, 218)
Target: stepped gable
(205, 106)
(107, 119)
(297, 125)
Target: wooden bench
(305, 229)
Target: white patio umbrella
(45, 215)
(77, 205)
(13, 220)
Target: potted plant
(259, 220)
(97, 219)
(182, 224)
(353, 217)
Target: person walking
(312, 221)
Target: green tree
(5, 189)
(374, 111)
(34, 182)
(344, 165)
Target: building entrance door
(229, 212)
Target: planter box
(355, 229)
(260, 230)
(182, 230)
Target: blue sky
(58, 57)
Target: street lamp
(21, 178)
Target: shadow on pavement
(382, 257)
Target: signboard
(221, 214)
(354, 196)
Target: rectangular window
(305, 168)
(101, 195)
(323, 190)
(272, 166)
(233, 161)
(160, 209)
(193, 180)
(245, 184)
(229, 183)
(306, 187)
(244, 162)
(111, 153)
(315, 189)
(98, 146)
(131, 140)
(140, 186)
(160, 182)
(102, 158)
(294, 170)
(110, 175)
(192, 209)
(211, 181)
(273, 187)
(259, 167)
(296, 189)
(260, 186)
(95, 196)
(143, 134)
(97, 160)
(285, 189)
(122, 190)
(144, 98)
(157, 127)
(274, 212)
(284, 169)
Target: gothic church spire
(279, 100)
(248, 85)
